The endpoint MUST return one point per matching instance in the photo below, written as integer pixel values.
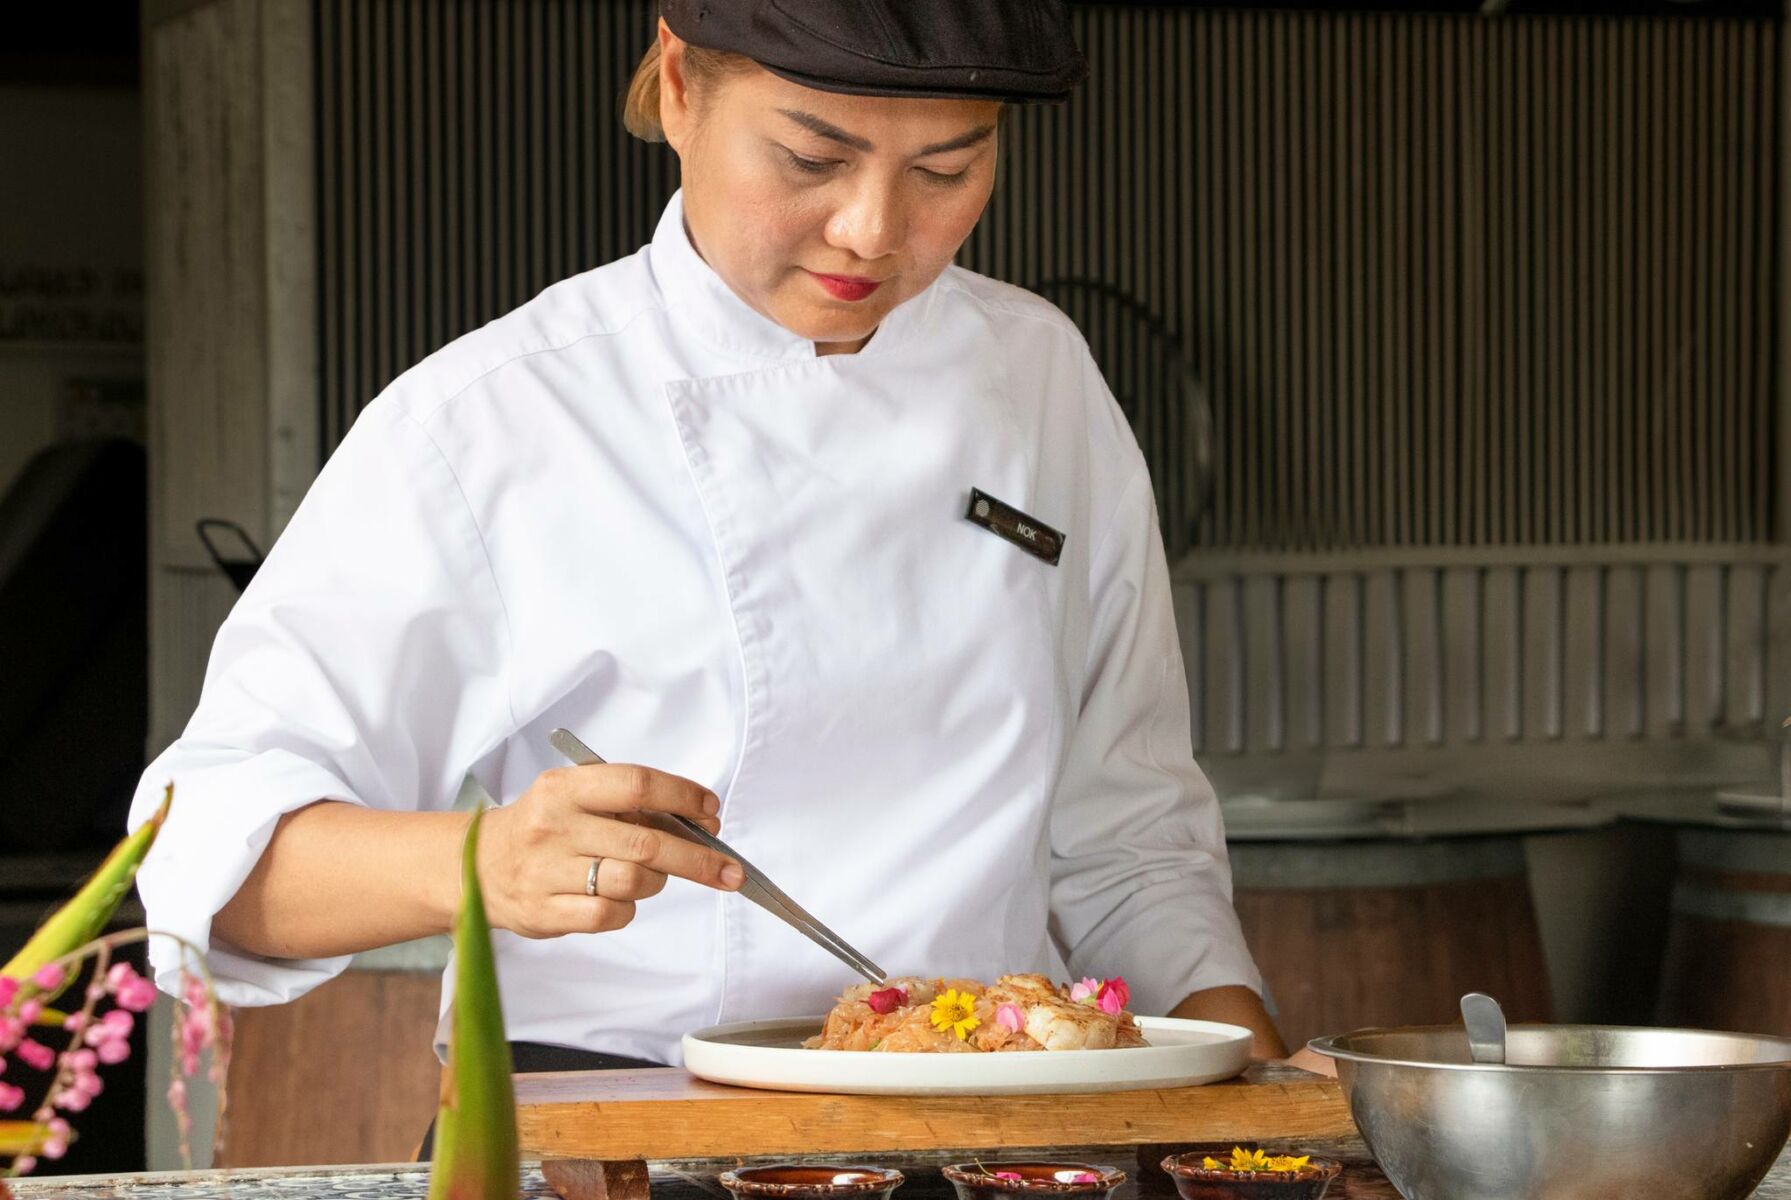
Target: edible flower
(956, 1011)
(1086, 991)
(1114, 995)
(1252, 1161)
(1010, 1018)
(887, 1001)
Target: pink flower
(194, 993)
(130, 990)
(11, 1097)
(9, 987)
(887, 1000)
(177, 1101)
(11, 1030)
(1116, 987)
(112, 1053)
(49, 977)
(36, 1056)
(1013, 1175)
(1086, 991)
(73, 1100)
(30, 1011)
(82, 1060)
(1085, 1177)
(24, 1164)
(1110, 1003)
(115, 1026)
(56, 1145)
(1010, 1018)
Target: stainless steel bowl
(1579, 1112)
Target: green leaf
(85, 915)
(476, 1155)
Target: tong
(757, 888)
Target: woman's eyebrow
(834, 133)
(831, 132)
(973, 137)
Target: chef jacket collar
(696, 295)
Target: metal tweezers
(757, 888)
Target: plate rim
(1229, 1035)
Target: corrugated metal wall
(1402, 284)
(1447, 280)
(1442, 280)
(1424, 655)
(469, 154)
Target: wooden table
(596, 1131)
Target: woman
(709, 507)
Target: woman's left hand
(1308, 1059)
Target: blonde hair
(640, 108)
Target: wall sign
(46, 303)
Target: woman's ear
(675, 115)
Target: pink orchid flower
(1010, 1018)
(1116, 987)
(887, 1000)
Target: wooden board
(666, 1114)
(364, 1041)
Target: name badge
(1005, 521)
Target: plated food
(1016, 1013)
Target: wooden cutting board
(669, 1114)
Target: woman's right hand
(535, 855)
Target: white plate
(768, 1054)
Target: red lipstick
(847, 287)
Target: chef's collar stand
(1014, 50)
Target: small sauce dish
(1197, 1182)
(1007, 1180)
(797, 1181)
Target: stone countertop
(671, 1181)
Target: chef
(822, 540)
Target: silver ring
(591, 877)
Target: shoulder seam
(447, 398)
(1051, 317)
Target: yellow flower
(1243, 1160)
(956, 1011)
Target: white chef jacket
(637, 508)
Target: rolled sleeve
(1140, 882)
(366, 663)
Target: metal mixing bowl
(1580, 1112)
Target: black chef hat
(988, 49)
